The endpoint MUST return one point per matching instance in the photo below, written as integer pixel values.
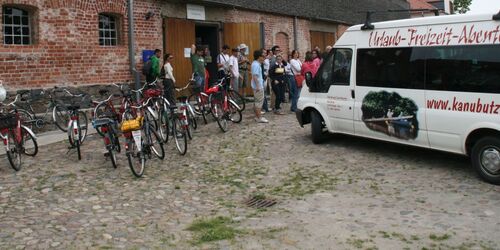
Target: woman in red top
(309, 65)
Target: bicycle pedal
(107, 154)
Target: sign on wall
(195, 12)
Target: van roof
(429, 21)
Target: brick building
(85, 42)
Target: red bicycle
(17, 138)
(223, 108)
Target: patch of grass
(400, 237)
(214, 229)
(414, 237)
(357, 243)
(435, 237)
(384, 234)
(305, 180)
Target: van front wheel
(317, 127)
(486, 159)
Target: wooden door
(180, 34)
(322, 39)
(247, 33)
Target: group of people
(270, 69)
(280, 73)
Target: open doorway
(208, 36)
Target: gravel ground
(347, 193)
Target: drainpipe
(295, 39)
(131, 46)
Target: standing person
(296, 67)
(267, 86)
(258, 85)
(316, 57)
(154, 70)
(243, 63)
(223, 62)
(169, 81)
(265, 107)
(275, 51)
(309, 65)
(291, 85)
(198, 63)
(234, 70)
(277, 75)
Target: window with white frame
(16, 28)
(108, 30)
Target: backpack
(146, 69)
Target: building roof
(420, 4)
(342, 11)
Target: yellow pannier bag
(132, 125)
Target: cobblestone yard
(348, 193)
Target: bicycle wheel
(112, 150)
(234, 114)
(189, 128)
(156, 144)
(60, 116)
(197, 106)
(136, 159)
(218, 112)
(237, 98)
(191, 118)
(30, 146)
(13, 151)
(75, 137)
(103, 110)
(180, 136)
(163, 126)
(83, 123)
(26, 117)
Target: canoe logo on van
(391, 114)
(465, 35)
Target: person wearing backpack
(152, 68)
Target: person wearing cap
(243, 63)
(223, 62)
(198, 63)
(258, 86)
(234, 69)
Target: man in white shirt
(223, 62)
(234, 70)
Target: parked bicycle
(78, 123)
(141, 139)
(223, 108)
(60, 115)
(17, 138)
(106, 123)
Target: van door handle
(353, 95)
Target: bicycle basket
(8, 121)
(152, 93)
(132, 125)
(36, 95)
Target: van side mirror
(309, 79)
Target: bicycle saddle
(102, 122)
(73, 107)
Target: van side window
(324, 76)
(391, 68)
(464, 68)
(342, 67)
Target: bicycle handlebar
(144, 104)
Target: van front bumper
(299, 114)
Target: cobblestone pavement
(348, 193)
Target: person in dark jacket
(278, 81)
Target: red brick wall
(67, 50)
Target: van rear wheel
(485, 158)
(317, 127)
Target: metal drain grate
(260, 202)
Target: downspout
(295, 39)
(131, 46)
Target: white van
(432, 82)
